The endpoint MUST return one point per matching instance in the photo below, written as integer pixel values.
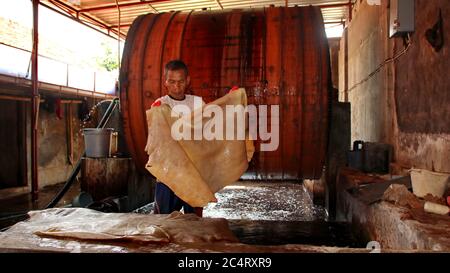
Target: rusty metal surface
(105, 177)
(280, 55)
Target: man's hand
(234, 89)
(156, 103)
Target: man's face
(176, 83)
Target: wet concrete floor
(277, 213)
(280, 201)
(261, 213)
(13, 209)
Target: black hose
(77, 168)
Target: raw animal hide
(196, 169)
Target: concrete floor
(256, 212)
(265, 217)
(275, 213)
(13, 208)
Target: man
(176, 82)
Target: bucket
(377, 157)
(424, 182)
(97, 141)
(82, 200)
(355, 157)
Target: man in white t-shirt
(177, 81)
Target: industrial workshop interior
(225, 126)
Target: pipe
(15, 98)
(349, 10)
(118, 40)
(77, 168)
(35, 105)
(19, 81)
(26, 99)
(346, 83)
(69, 135)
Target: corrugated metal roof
(104, 14)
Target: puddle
(278, 213)
(268, 201)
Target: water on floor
(276, 214)
(278, 201)
(14, 209)
(272, 213)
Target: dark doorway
(13, 164)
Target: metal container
(355, 156)
(105, 177)
(279, 55)
(370, 157)
(377, 157)
(82, 200)
(97, 141)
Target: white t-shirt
(191, 101)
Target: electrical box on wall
(401, 17)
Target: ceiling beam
(90, 19)
(220, 5)
(121, 25)
(334, 22)
(65, 14)
(328, 6)
(114, 6)
(92, 22)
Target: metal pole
(35, 105)
(350, 10)
(117, 91)
(118, 30)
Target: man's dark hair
(176, 65)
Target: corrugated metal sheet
(105, 13)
